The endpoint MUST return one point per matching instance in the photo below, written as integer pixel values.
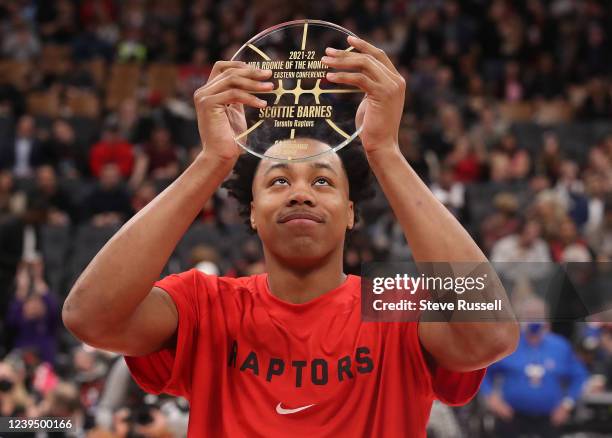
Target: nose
(301, 195)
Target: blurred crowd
(508, 119)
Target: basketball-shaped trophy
(303, 104)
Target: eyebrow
(317, 165)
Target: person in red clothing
(112, 149)
(286, 351)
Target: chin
(302, 251)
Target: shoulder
(199, 281)
(557, 341)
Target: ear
(351, 215)
(253, 225)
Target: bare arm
(432, 231)
(112, 304)
(435, 235)
(113, 294)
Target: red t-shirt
(253, 365)
(120, 153)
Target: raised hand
(220, 105)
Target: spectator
(595, 186)
(570, 192)
(143, 195)
(550, 210)
(488, 130)
(600, 238)
(12, 201)
(131, 48)
(449, 190)
(503, 222)
(466, 161)
(601, 380)
(12, 102)
(512, 88)
(68, 154)
(525, 247)
(387, 239)
(21, 44)
(532, 397)
(14, 398)
(550, 157)
(34, 312)
(568, 244)
(192, 76)
(63, 402)
(89, 373)
(205, 259)
(112, 149)
(546, 84)
(133, 126)
(158, 158)
(25, 152)
(58, 204)
(519, 164)
(109, 203)
(598, 104)
(57, 21)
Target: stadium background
(507, 118)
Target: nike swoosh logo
(283, 411)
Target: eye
(324, 180)
(281, 181)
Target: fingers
(359, 80)
(365, 47)
(230, 96)
(241, 80)
(220, 66)
(244, 70)
(374, 70)
(364, 63)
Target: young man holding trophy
(287, 352)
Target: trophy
(302, 106)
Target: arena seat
(55, 246)
(43, 103)
(15, 72)
(516, 111)
(162, 79)
(82, 103)
(122, 84)
(553, 112)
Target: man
(286, 351)
(112, 148)
(23, 153)
(109, 203)
(540, 382)
(524, 253)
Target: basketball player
(285, 353)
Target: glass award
(303, 108)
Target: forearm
(123, 272)
(435, 235)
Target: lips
(300, 215)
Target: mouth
(301, 217)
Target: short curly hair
(354, 161)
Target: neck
(300, 285)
